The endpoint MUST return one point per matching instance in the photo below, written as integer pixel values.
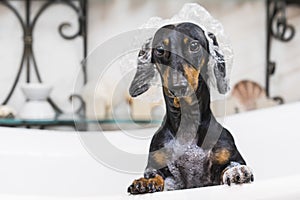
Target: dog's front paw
(238, 174)
(147, 185)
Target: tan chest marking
(160, 158)
(221, 156)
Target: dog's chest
(189, 166)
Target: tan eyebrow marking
(185, 40)
(166, 42)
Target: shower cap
(219, 45)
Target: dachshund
(190, 149)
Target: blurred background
(60, 60)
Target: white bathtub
(42, 165)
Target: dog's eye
(194, 46)
(160, 51)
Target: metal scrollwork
(281, 30)
(16, 80)
(67, 37)
(82, 107)
(66, 24)
(28, 25)
(278, 28)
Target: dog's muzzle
(178, 85)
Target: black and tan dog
(191, 149)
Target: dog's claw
(129, 189)
(137, 186)
(252, 178)
(144, 185)
(237, 178)
(238, 174)
(159, 188)
(228, 181)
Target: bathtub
(48, 165)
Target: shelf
(69, 120)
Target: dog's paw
(144, 185)
(237, 174)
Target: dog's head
(180, 53)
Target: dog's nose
(179, 91)
(178, 84)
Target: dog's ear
(219, 66)
(145, 71)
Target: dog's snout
(179, 91)
(178, 84)
(178, 80)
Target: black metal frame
(28, 25)
(277, 28)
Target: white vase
(36, 107)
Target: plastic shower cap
(219, 44)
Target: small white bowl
(37, 110)
(36, 91)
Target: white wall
(59, 59)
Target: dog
(190, 149)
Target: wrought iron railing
(28, 24)
(277, 28)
